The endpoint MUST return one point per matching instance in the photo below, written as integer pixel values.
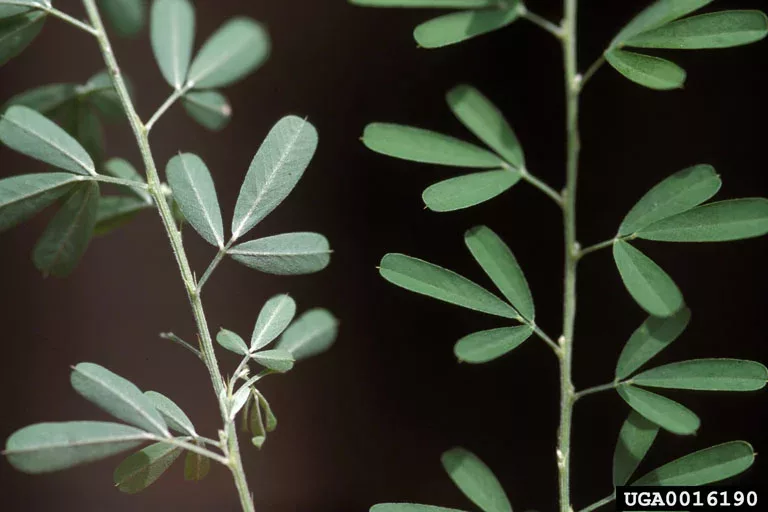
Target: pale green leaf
(485, 346)
(196, 466)
(127, 17)
(468, 190)
(143, 468)
(485, 120)
(666, 413)
(648, 284)
(706, 375)
(47, 447)
(117, 396)
(409, 507)
(475, 480)
(653, 336)
(310, 334)
(66, 238)
(258, 441)
(646, 70)
(232, 342)
(18, 32)
(175, 418)
(500, 264)
(195, 193)
(45, 98)
(678, 193)
(209, 108)
(459, 26)
(121, 168)
(286, 254)
(172, 33)
(116, 211)
(274, 172)
(278, 360)
(32, 134)
(427, 4)
(238, 400)
(437, 282)
(722, 29)
(714, 222)
(270, 418)
(236, 49)
(635, 439)
(23, 196)
(273, 319)
(419, 145)
(18, 7)
(253, 420)
(703, 467)
(656, 15)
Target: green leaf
(635, 439)
(239, 400)
(89, 132)
(47, 447)
(653, 336)
(648, 71)
(722, 221)
(100, 92)
(500, 264)
(18, 32)
(475, 480)
(23, 196)
(706, 375)
(173, 35)
(236, 49)
(426, 4)
(419, 145)
(666, 413)
(468, 190)
(648, 284)
(286, 254)
(196, 467)
(117, 396)
(24, 130)
(209, 108)
(127, 17)
(437, 282)
(409, 507)
(656, 15)
(258, 441)
(310, 334)
(253, 419)
(195, 193)
(485, 346)
(46, 98)
(722, 29)
(678, 193)
(274, 318)
(703, 467)
(6, 11)
(120, 168)
(172, 414)
(459, 26)
(485, 120)
(116, 211)
(274, 172)
(66, 238)
(232, 342)
(144, 467)
(278, 360)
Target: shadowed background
(367, 421)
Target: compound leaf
(127, 17)
(17, 32)
(485, 346)
(175, 418)
(468, 190)
(475, 480)
(232, 342)
(274, 318)
(459, 26)
(310, 334)
(209, 108)
(666, 413)
(173, 34)
(278, 360)
(706, 375)
(648, 71)
(656, 15)
(23, 196)
(635, 439)
(143, 468)
(286, 254)
(196, 466)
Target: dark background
(367, 421)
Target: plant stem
(567, 392)
(596, 505)
(536, 182)
(192, 447)
(597, 389)
(597, 247)
(165, 106)
(174, 236)
(59, 14)
(215, 263)
(592, 70)
(542, 22)
(172, 337)
(119, 181)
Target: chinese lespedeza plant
(74, 149)
(675, 210)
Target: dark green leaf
(286, 254)
(706, 375)
(6, 11)
(278, 360)
(433, 281)
(117, 396)
(23, 196)
(648, 284)
(66, 238)
(274, 318)
(666, 413)
(635, 439)
(173, 34)
(172, 413)
(209, 108)
(232, 342)
(714, 222)
(120, 168)
(475, 480)
(253, 418)
(656, 15)
(468, 190)
(484, 346)
(46, 98)
(127, 17)
(676, 194)
(196, 467)
(144, 467)
(100, 92)
(459, 26)
(426, 4)
(236, 49)
(653, 336)
(648, 71)
(500, 264)
(310, 334)
(425, 146)
(47, 447)
(18, 32)
(89, 133)
(116, 211)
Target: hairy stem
(598, 504)
(165, 106)
(174, 236)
